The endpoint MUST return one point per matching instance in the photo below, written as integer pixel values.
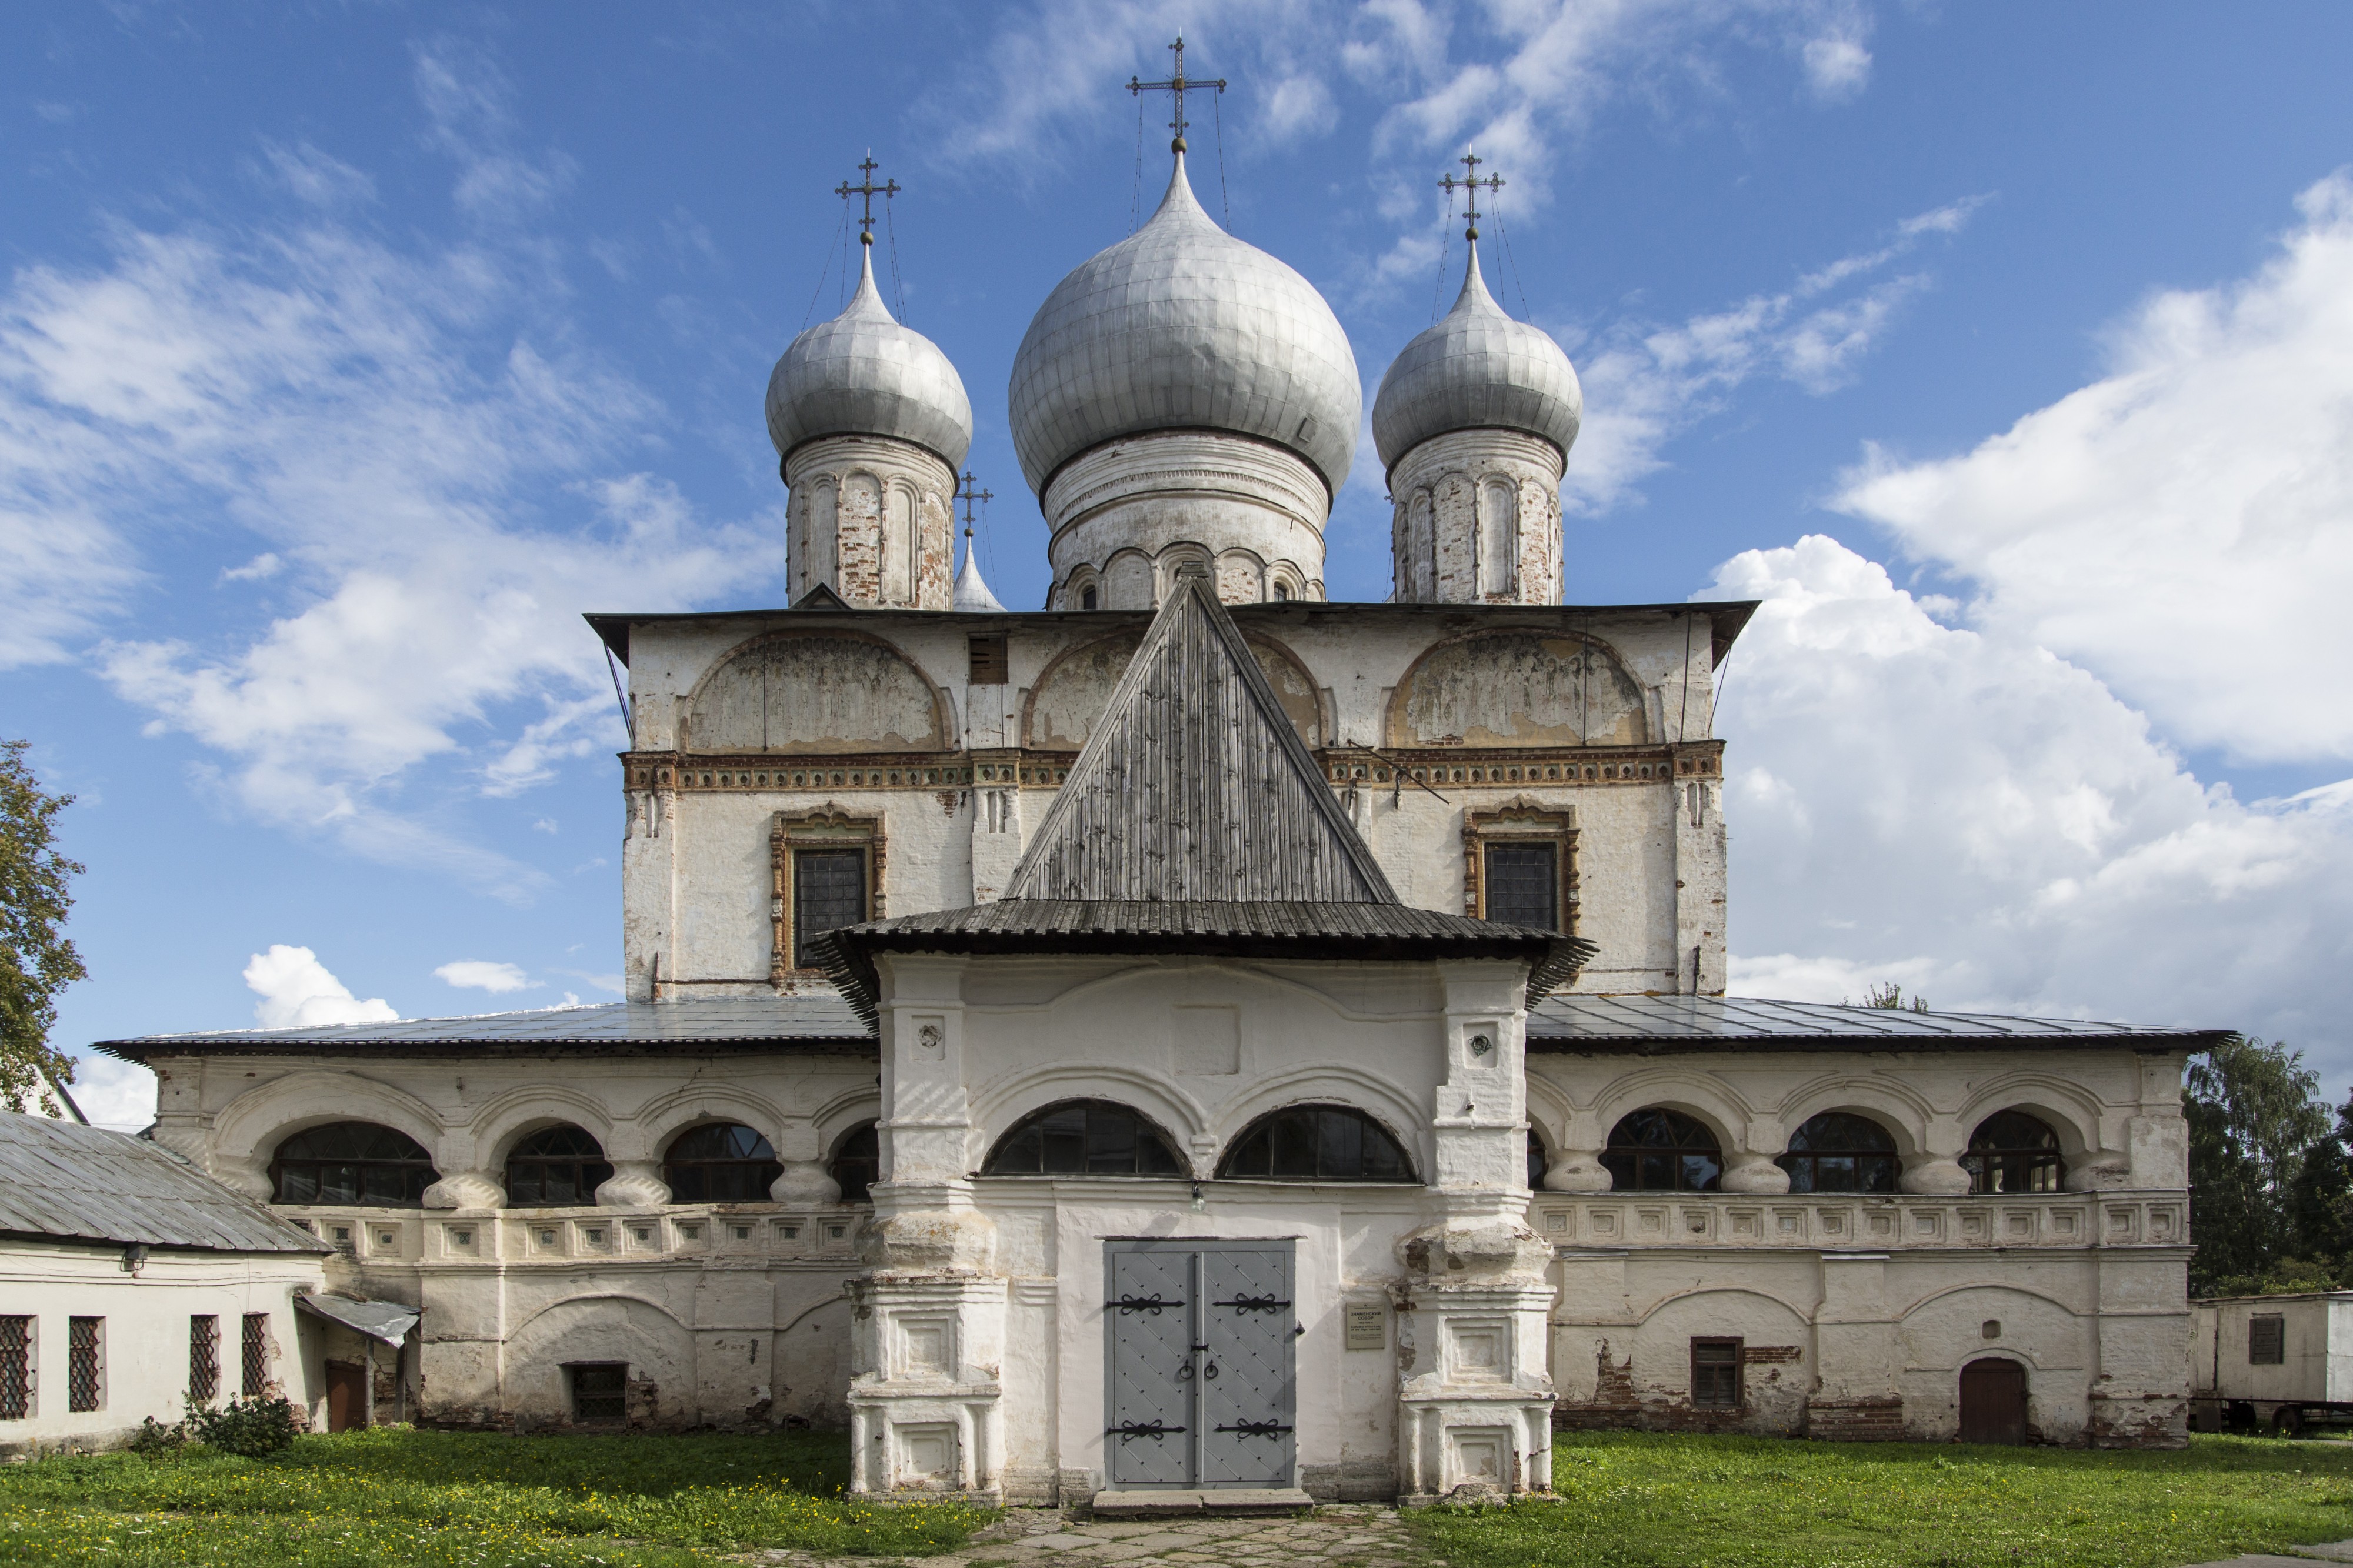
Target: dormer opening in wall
(555, 1167)
(1656, 1150)
(360, 1164)
(1084, 1138)
(2014, 1151)
(857, 1162)
(720, 1163)
(1316, 1143)
(1840, 1152)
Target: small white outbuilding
(133, 1285)
(2282, 1361)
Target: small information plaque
(1368, 1326)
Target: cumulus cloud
(1964, 812)
(482, 974)
(298, 991)
(117, 1095)
(2183, 526)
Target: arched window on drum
(1316, 1143)
(720, 1163)
(1659, 1150)
(359, 1164)
(1084, 1138)
(2013, 1152)
(1838, 1151)
(555, 1167)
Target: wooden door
(346, 1395)
(1993, 1401)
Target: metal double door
(1199, 1342)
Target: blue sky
(348, 353)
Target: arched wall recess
(816, 692)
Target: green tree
(2256, 1116)
(37, 961)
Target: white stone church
(1199, 1038)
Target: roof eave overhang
(2163, 1041)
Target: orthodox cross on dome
(1177, 85)
(1473, 183)
(967, 494)
(868, 189)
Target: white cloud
(114, 1094)
(1968, 814)
(482, 974)
(2184, 525)
(266, 565)
(1837, 66)
(298, 993)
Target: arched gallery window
(1661, 1151)
(555, 1167)
(354, 1163)
(1838, 1151)
(2011, 1151)
(1538, 1161)
(856, 1161)
(720, 1163)
(1317, 1143)
(1083, 1138)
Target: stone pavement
(2324, 1552)
(1361, 1535)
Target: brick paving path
(1346, 1536)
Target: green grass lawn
(456, 1499)
(1637, 1500)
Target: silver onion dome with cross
(862, 373)
(1477, 369)
(1182, 326)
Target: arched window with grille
(1838, 1151)
(720, 1163)
(355, 1163)
(1084, 1138)
(2013, 1152)
(555, 1167)
(856, 1161)
(1317, 1143)
(1659, 1150)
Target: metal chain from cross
(968, 495)
(1177, 85)
(1473, 183)
(866, 188)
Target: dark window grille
(355, 1163)
(1524, 885)
(2267, 1340)
(555, 1167)
(2011, 1151)
(1840, 1152)
(829, 892)
(1083, 1138)
(254, 1353)
(1317, 1143)
(204, 1359)
(600, 1391)
(989, 664)
(1538, 1161)
(1716, 1374)
(85, 1362)
(1661, 1151)
(15, 1368)
(857, 1162)
(720, 1163)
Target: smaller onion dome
(1477, 369)
(972, 594)
(862, 373)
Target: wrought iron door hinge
(1253, 1304)
(1152, 1429)
(1257, 1429)
(1152, 1304)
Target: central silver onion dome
(1182, 326)
(1477, 369)
(862, 373)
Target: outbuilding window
(254, 1355)
(721, 1162)
(1317, 1143)
(1083, 1138)
(600, 1392)
(1838, 1151)
(15, 1367)
(204, 1358)
(555, 1167)
(355, 1163)
(1661, 1151)
(85, 1364)
(2267, 1340)
(2013, 1152)
(1716, 1374)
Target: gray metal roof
(72, 1182)
(386, 1321)
(1575, 1022)
(1178, 326)
(1476, 369)
(972, 594)
(862, 373)
(697, 1022)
